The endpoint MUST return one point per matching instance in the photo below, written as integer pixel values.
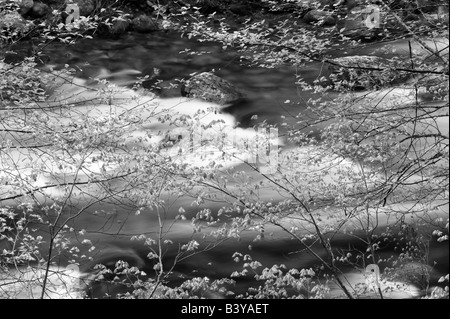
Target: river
(137, 55)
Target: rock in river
(211, 88)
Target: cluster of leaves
(21, 84)
(24, 265)
(12, 25)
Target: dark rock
(40, 10)
(26, 6)
(350, 4)
(119, 26)
(325, 18)
(212, 88)
(86, 6)
(144, 24)
(411, 17)
(14, 21)
(241, 9)
(34, 10)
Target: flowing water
(138, 55)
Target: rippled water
(267, 89)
